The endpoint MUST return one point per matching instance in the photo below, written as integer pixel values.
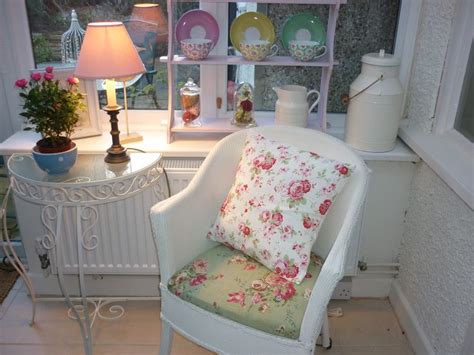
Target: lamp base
(116, 156)
(116, 153)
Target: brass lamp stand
(109, 40)
(116, 153)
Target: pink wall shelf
(222, 125)
(308, 2)
(238, 60)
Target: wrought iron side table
(70, 207)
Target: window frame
(445, 150)
(213, 78)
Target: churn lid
(381, 58)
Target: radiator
(181, 171)
(126, 245)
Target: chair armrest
(179, 226)
(180, 223)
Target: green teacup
(305, 51)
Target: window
(449, 148)
(355, 36)
(464, 122)
(49, 20)
(363, 27)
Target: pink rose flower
(250, 267)
(274, 280)
(307, 222)
(296, 190)
(285, 294)
(265, 216)
(258, 161)
(48, 76)
(280, 267)
(73, 80)
(323, 208)
(199, 279)
(200, 266)
(289, 292)
(306, 186)
(259, 285)
(237, 297)
(268, 163)
(49, 69)
(343, 170)
(36, 76)
(292, 272)
(277, 218)
(21, 83)
(257, 298)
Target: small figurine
(243, 106)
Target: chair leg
(326, 339)
(166, 338)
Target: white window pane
(465, 118)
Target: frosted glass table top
(89, 168)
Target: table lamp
(147, 18)
(107, 52)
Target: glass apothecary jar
(243, 106)
(190, 95)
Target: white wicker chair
(181, 222)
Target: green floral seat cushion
(227, 282)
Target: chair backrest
(324, 145)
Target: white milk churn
(375, 104)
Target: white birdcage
(71, 40)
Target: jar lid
(190, 88)
(381, 58)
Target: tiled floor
(368, 326)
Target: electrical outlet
(343, 290)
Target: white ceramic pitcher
(292, 106)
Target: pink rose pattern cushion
(276, 206)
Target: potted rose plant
(52, 107)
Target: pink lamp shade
(107, 52)
(147, 18)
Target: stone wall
(363, 26)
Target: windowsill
(450, 160)
(155, 141)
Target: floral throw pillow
(276, 206)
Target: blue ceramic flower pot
(56, 163)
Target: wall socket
(343, 289)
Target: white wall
(437, 261)
(437, 254)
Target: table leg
(13, 258)
(50, 214)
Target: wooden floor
(369, 326)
